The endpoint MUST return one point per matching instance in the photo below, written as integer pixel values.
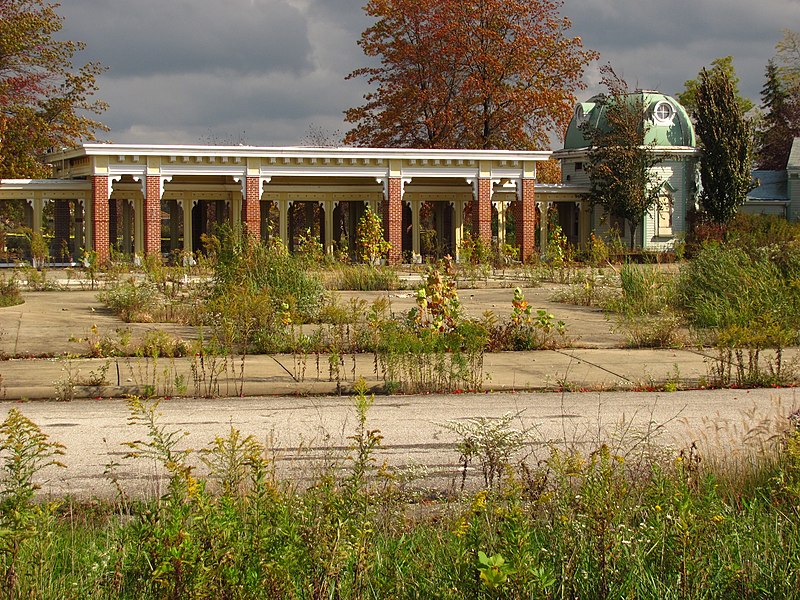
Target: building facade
(670, 135)
(142, 199)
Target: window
(578, 166)
(664, 211)
(663, 113)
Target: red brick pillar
(525, 220)
(152, 215)
(251, 207)
(393, 219)
(100, 194)
(61, 226)
(482, 212)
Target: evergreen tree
(780, 124)
(726, 138)
(620, 163)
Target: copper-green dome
(669, 124)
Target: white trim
(168, 150)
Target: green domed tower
(670, 132)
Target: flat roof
(298, 151)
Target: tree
(780, 103)
(787, 58)
(723, 65)
(620, 167)
(726, 138)
(44, 99)
(471, 74)
(780, 122)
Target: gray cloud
(663, 44)
(191, 36)
(183, 69)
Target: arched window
(663, 113)
(664, 211)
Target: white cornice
(297, 151)
(45, 184)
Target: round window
(664, 112)
(580, 115)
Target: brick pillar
(525, 220)
(251, 207)
(61, 226)
(152, 216)
(482, 212)
(393, 219)
(100, 242)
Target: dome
(669, 124)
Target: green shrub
(724, 286)
(750, 232)
(748, 302)
(645, 290)
(134, 302)
(244, 263)
(9, 292)
(415, 360)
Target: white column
(138, 227)
(502, 210)
(186, 205)
(38, 207)
(80, 226)
(458, 227)
(328, 205)
(283, 220)
(543, 209)
(415, 243)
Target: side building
(669, 131)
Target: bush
(133, 302)
(244, 263)
(724, 286)
(759, 231)
(9, 292)
(748, 302)
(645, 290)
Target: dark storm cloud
(663, 44)
(181, 69)
(190, 36)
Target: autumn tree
(472, 74)
(726, 139)
(620, 166)
(44, 99)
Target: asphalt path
(305, 435)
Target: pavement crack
(588, 362)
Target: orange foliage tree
(467, 74)
(45, 101)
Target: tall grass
(620, 519)
(363, 278)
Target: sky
(265, 72)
